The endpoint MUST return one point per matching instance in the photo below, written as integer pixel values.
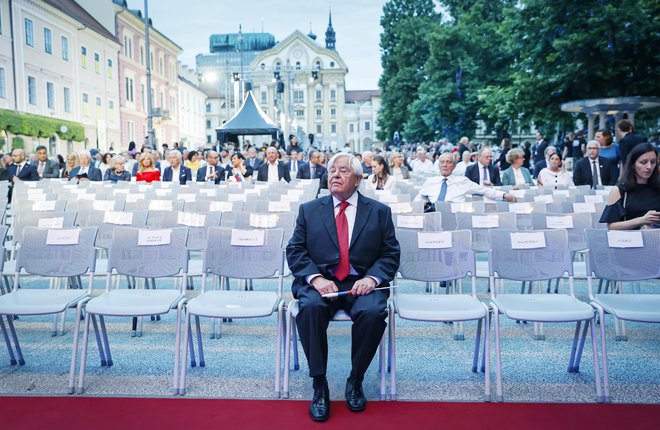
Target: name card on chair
(559, 221)
(44, 206)
(462, 207)
(251, 191)
(163, 193)
(132, 198)
(237, 197)
(410, 221)
(118, 218)
(191, 219)
(221, 206)
(588, 207)
(545, 198)
(625, 239)
(187, 197)
(86, 196)
(566, 193)
(209, 192)
(121, 191)
(594, 199)
(263, 221)
(283, 206)
(144, 187)
(160, 205)
(166, 184)
(63, 237)
(485, 221)
(401, 207)
(103, 205)
(434, 240)
(248, 237)
(296, 192)
(289, 198)
(605, 192)
(57, 222)
(519, 194)
(154, 237)
(521, 208)
(528, 240)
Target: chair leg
(278, 349)
(392, 348)
(99, 345)
(576, 334)
(498, 356)
(603, 348)
(599, 391)
(486, 355)
(187, 339)
(83, 355)
(382, 365)
(193, 360)
(53, 331)
(477, 343)
(10, 350)
(294, 341)
(199, 342)
(287, 354)
(74, 349)
(177, 350)
(576, 364)
(12, 330)
(106, 341)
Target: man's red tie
(344, 267)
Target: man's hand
(364, 286)
(324, 286)
(509, 198)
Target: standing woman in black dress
(634, 202)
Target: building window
(297, 65)
(83, 53)
(131, 130)
(300, 113)
(109, 68)
(333, 112)
(318, 95)
(85, 107)
(129, 90)
(0, 20)
(50, 95)
(48, 41)
(65, 48)
(29, 32)
(128, 46)
(318, 65)
(333, 94)
(98, 107)
(143, 97)
(367, 125)
(67, 99)
(333, 128)
(351, 128)
(111, 111)
(142, 55)
(278, 66)
(318, 129)
(208, 138)
(32, 90)
(264, 97)
(298, 96)
(332, 64)
(3, 83)
(208, 123)
(97, 63)
(160, 65)
(208, 108)
(318, 113)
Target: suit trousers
(368, 313)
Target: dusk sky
(356, 23)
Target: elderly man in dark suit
(583, 171)
(483, 172)
(177, 171)
(46, 168)
(342, 242)
(213, 171)
(85, 172)
(272, 170)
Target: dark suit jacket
(185, 174)
(539, 166)
(93, 174)
(305, 169)
(314, 248)
(219, 170)
(472, 173)
(582, 172)
(627, 143)
(282, 172)
(27, 173)
(539, 151)
(51, 169)
(257, 162)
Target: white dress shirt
(457, 188)
(518, 176)
(273, 173)
(548, 178)
(388, 185)
(425, 166)
(459, 170)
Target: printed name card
(462, 207)
(588, 207)
(166, 184)
(401, 207)
(593, 199)
(410, 221)
(118, 218)
(566, 193)
(519, 194)
(625, 239)
(382, 192)
(263, 221)
(132, 198)
(434, 240)
(160, 205)
(283, 206)
(559, 221)
(187, 197)
(387, 198)
(35, 192)
(289, 198)
(262, 186)
(248, 237)
(56, 222)
(44, 206)
(121, 191)
(605, 192)
(528, 240)
(545, 198)
(209, 192)
(163, 193)
(221, 206)
(103, 205)
(485, 221)
(86, 196)
(521, 208)
(296, 192)
(190, 219)
(30, 184)
(237, 197)
(154, 237)
(63, 237)
(144, 187)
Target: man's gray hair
(353, 162)
(177, 153)
(85, 153)
(594, 142)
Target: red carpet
(17, 413)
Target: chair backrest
(574, 223)
(529, 255)
(57, 252)
(245, 220)
(108, 221)
(421, 260)
(623, 255)
(148, 253)
(262, 258)
(198, 225)
(448, 216)
(43, 219)
(431, 221)
(480, 224)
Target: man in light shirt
(460, 166)
(272, 170)
(422, 164)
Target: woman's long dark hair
(386, 168)
(628, 178)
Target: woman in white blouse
(380, 178)
(399, 171)
(554, 175)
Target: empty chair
(431, 221)
(245, 220)
(450, 259)
(480, 225)
(238, 254)
(142, 254)
(49, 253)
(538, 256)
(620, 256)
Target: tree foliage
(40, 126)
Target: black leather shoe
(319, 410)
(355, 399)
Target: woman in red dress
(147, 170)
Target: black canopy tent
(249, 120)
